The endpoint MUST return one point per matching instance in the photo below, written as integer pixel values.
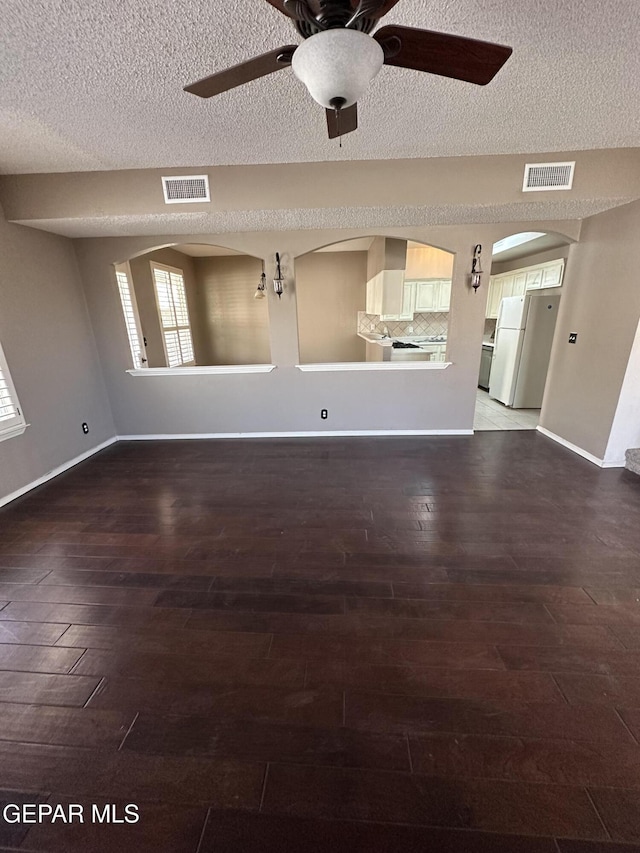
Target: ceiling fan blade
(259, 66)
(342, 121)
(279, 5)
(439, 53)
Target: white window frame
(131, 323)
(15, 424)
(178, 328)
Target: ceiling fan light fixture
(337, 66)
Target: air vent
(547, 176)
(186, 189)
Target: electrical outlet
(324, 414)
(85, 428)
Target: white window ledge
(13, 431)
(375, 365)
(205, 369)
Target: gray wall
(50, 348)
(331, 287)
(234, 324)
(288, 400)
(601, 302)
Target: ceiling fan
(338, 58)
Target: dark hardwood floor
(325, 645)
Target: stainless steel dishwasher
(485, 367)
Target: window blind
(128, 310)
(171, 296)
(11, 418)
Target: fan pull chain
(338, 127)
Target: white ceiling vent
(186, 189)
(547, 176)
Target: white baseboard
(574, 447)
(310, 434)
(181, 436)
(55, 471)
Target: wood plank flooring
(325, 645)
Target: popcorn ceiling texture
(297, 219)
(98, 85)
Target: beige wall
(428, 262)
(601, 302)
(330, 290)
(234, 324)
(386, 253)
(440, 189)
(148, 307)
(50, 349)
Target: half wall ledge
(196, 371)
(374, 365)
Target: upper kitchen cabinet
(521, 281)
(432, 296)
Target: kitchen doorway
(525, 288)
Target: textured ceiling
(88, 85)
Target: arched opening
(525, 289)
(373, 299)
(188, 305)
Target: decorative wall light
(476, 269)
(278, 281)
(262, 286)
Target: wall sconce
(278, 282)
(476, 269)
(262, 286)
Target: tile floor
(490, 414)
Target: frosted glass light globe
(337, 64)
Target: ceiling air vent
(547, 176)
(186, 189)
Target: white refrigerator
(524, 334)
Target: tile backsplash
(429, 325)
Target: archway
(373, 298)
(525, 288)
(193, 304)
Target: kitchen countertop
(420, 340)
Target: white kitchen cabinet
(534, 279)
(444, 296)
(507, 285)
(519, 284)
(426, 296)
(552, 274)
(432, 296)
(436, 351)
(408, 301)
(495, 295)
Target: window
(11, 418)
(131, 320)
(171, 297)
